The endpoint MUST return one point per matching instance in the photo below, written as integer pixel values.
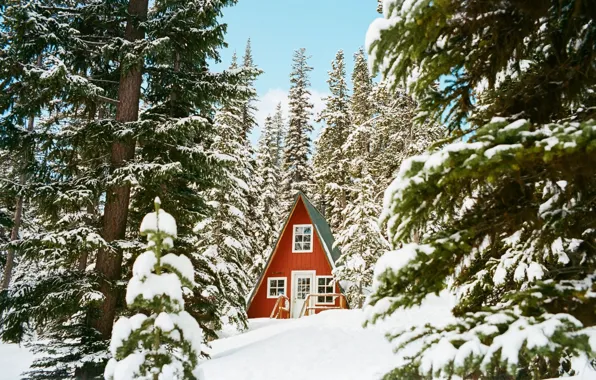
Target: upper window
(325, 286)
(302, 238)
(276, 286)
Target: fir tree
(504, 217)
(279, 135)
(269, 204)
(297, 173)
(225, 237)
(329, 161)
(360, 102)
(256, 228)
(167, 342)
(49, 77)
(67, 249)
(393, 135)
(360, 240)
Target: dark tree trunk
(109, 263)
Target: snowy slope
(330, 345)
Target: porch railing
(308, 307)
(281, 305)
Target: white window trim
(317, 291)
(269, 286)
(312, 232)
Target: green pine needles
(166, 341)
(505, 216)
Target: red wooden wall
(284, 262)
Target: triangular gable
(323, 232)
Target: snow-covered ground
(331, 345)
(14, 360)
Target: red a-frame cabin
(297, 278)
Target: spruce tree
(162, 340)
(256, 229)
(66, 252)
(279, 135)
(394, 135)
(360, 241)
(504, 216)
(360, 102)
(49, 81)
(329, 162)
(296, 170)
(225, 236)
(269, 204)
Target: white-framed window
(325, 285)
(276, 286)
(302, 238)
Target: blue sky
(278, 27)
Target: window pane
(306, 246)
(307, 230)
(298, 238)
(297, 246)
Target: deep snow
(14, 360)
(332, 345)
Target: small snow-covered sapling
(165, 344)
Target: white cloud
(267, 103)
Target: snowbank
(14, 360)
(331, 345)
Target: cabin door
(302, 286)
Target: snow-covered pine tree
(50, 72)
(279, 133)
(174, 155)
(224, 237)
(360, 102)
(331, 174)
(505, 216)
(161, 340)
(256, 221)
(360, 240)
(297, 175)
(172, 158)
(394, 135)
(269, 192)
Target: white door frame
(295, 275)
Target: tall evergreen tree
(362, 86)
(505, 216)
(329, 162)
(279, 135)
(224, 237)
(360, 241)
(256, 220)
(296, 170)
(393, 135)
(269, 204)
(49, 77)
(67, 251)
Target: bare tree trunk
(18, 213)
(109, 263)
